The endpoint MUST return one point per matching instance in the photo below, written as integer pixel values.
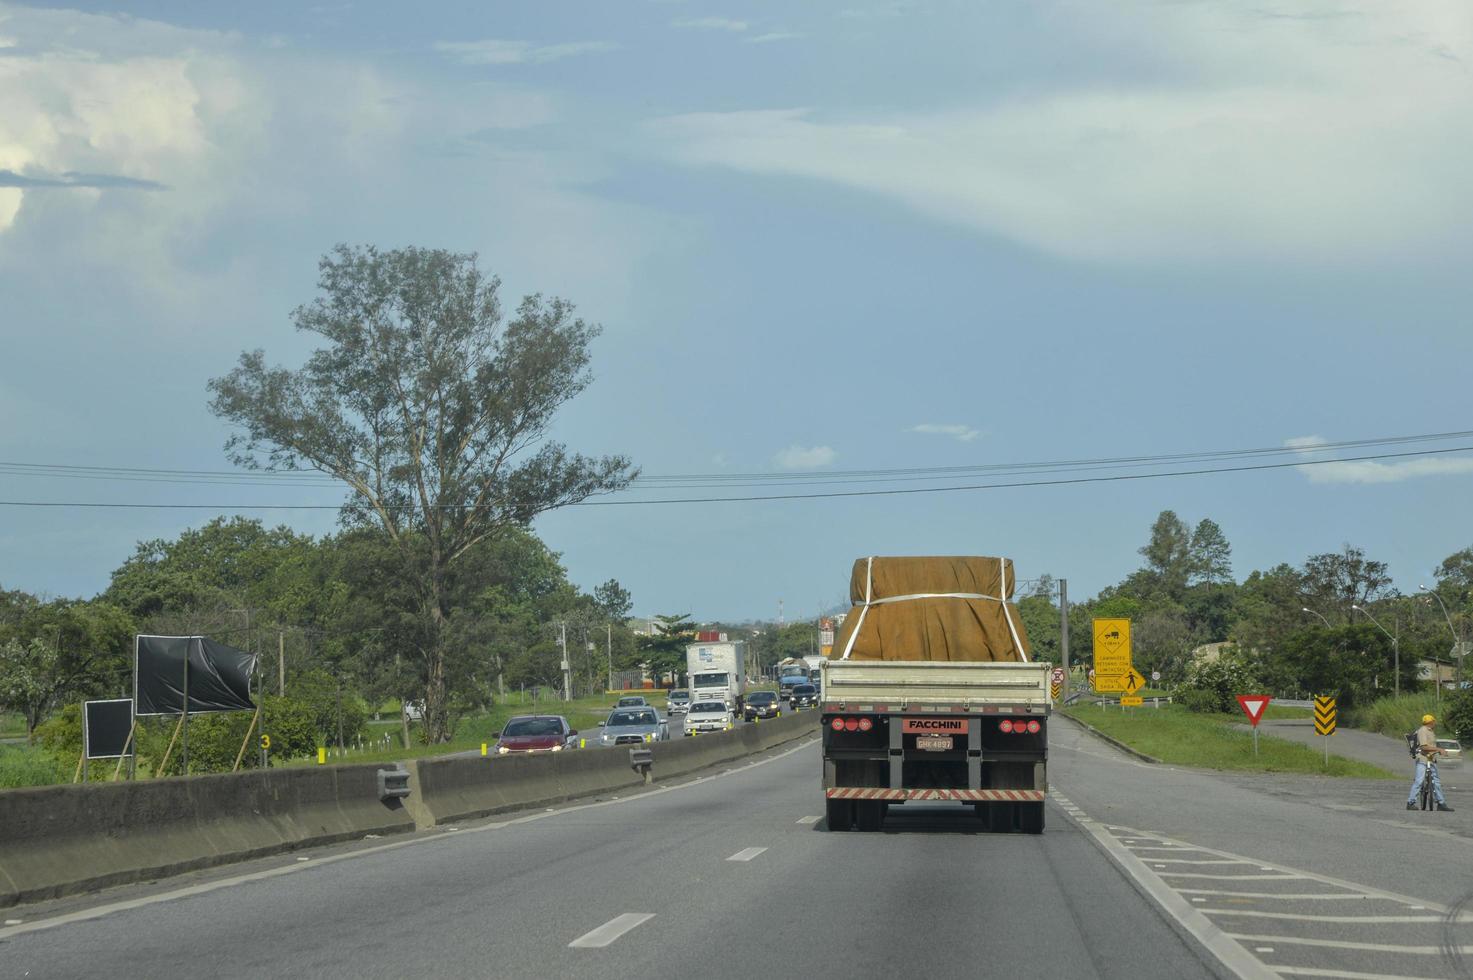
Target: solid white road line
(1288, 896)
(1195, 861)
(746, 854)
(1310, 971)
(1298, 917)
(809, 819)
(611, 930)
(1203, 874)
(1366, 947)
(98, 911)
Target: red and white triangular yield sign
(1253, 705)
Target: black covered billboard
(217, 677)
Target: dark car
(761, 704)
(804, 696)
(536, 733)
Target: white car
(708, 716)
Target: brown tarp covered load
(924, 609)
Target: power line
(298, 478)
(798, 496)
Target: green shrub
(1457, 711)
(61, 734)
(1212, 686)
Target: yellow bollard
(582, 743)
(483, 750)
(322, 755)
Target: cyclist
(1426, 755)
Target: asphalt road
(1140, 870)
(731, 876)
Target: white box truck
(717, 672)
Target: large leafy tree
(432, 408)
(1341, 579)
(663, 652)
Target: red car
(536, 733)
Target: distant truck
(932, 696)
(718, 672)
(790, 673)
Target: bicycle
(1425, 797)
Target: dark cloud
(9, 178)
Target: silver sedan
(631, 726)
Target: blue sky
(819, 237)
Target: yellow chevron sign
(1054, 690)
(1324, 716)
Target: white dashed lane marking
(809, 820)
(746, 854)
(611, 930)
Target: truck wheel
(839, 814)
(869, 815)
(1030, 818)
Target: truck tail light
(1034, 727)
(1006, 725)
(865, 724)
(851, 724)
(837, 724)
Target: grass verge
(1183, 738)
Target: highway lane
(723, 877)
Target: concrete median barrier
(450, 789)
(60, 840)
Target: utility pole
(281, 662)
(1064, 631)
(567, 668)
(610, 640)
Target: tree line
(1297, 629)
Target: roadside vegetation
(1179, 736)
(1395, 716)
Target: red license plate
(933, 743)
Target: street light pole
(1457, 640)
(1306, 609)
(1395, 649)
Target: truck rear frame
(969, 733)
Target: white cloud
(1375, 470)
(711, 24)
(804, 457)
(1324, 139)
(493, 51)
(266, 157)
(961, 433)
(772, 36)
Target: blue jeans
(1422, 768)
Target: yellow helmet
(1428, 719)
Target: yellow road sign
(1054, 690)
(1112, 653)
(265, 741)
(1324, 716)
(1132, 700)
(1126, 683)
